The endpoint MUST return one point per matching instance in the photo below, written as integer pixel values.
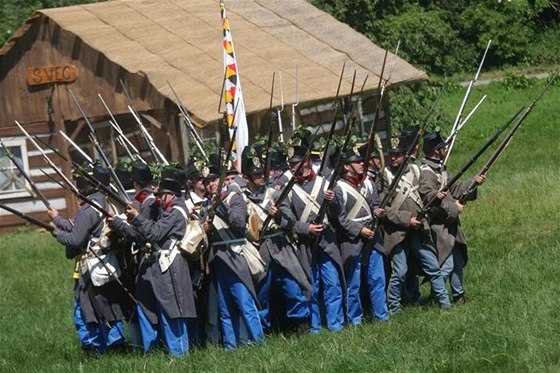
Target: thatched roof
(181, 41)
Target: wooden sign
(51, 74)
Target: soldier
(276, 248)
(319, 250)
(443, 221)
(141, 179)
(98, 307)
(404, 236)
(229, 267)
(357, 206)
(164, 289)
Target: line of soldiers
(197, 259)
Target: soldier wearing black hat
(164, 289)
(230, 270)
(355, 236)
(319, 252)
(144, 199)
(404, 237)
(276, 248)
(447, 238)
(98, 306)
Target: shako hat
(433, 141)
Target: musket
(504, 144)
(269, 139)
(223, 168)
(121, 138)
(334, 176)
(463, 122)
(427, 206)
(69, 140)
(89, 178)
(156, 153)
(289, 186)
(29, 218)
(81, 196)
(46, 158)
(376, 115)
(27, 177)
(390, 194)
(333, 124)
(97, 146)
(190, 127)
(464, 103)
(296, 103)
(279, 111)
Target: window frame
(24, 190)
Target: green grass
(511, 324)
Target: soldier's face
(375, 163)
(229, 179)
(258, 179)
(212, 185)
(355, 168)
(396, 159)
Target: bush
(428, 40)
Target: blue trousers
(399, 264)
(353, 272)
(297, 306)
(97, 336)
(325, 273)
(376, 286)
(173, 332)
(235, 304)
(456, 279)
(429, 264)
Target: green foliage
(448, 37)
(428, 40)
(512, 81)
(410, 105)
(14, 12)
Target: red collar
(309, 177)
(354, 180)
(142, 195)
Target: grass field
(511, 324)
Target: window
(12, 182)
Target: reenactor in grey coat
(358, 204)
(237, 298)
(163, 287)
(275, 246)
(404, 237)
(98, 302)
(443, 222)
(320, 254)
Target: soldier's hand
(441, 195)
(273, 210)
(460, 206)
(53, 213)
(379, 212)
(207, 226)
(111, 218)
(367, 233)
(415, 223)
(54, 232)
(130, 211)
(315, 229)
(329, 195)
(479, 179)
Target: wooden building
(89, 49)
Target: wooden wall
(46, 109)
